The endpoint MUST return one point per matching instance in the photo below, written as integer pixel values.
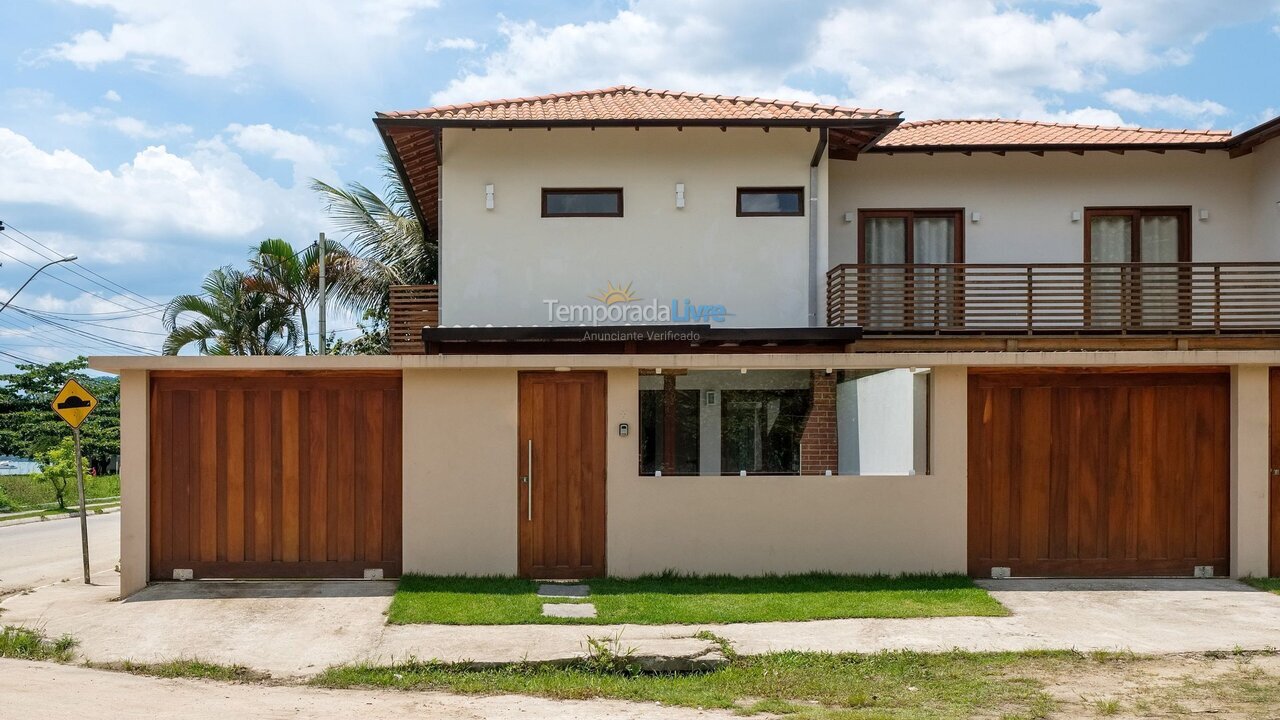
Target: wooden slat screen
(1056, 297)
(413, 307)
(275, 476)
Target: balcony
(1057, 298)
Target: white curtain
(1110, 241)
(1158, 243)
(886, 244)
(934, 243)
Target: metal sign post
(73, 404)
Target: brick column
(819, 443)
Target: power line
(95, 323)
(127, 291)
(59, 278)
(19, 358)
(112, 341)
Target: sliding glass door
(1148, 294)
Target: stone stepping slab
(569, 610)
(556, 590)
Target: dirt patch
(1224, 685)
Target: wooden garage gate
(275, 475)
(1115, 473)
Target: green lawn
(29, 491)
(883, 685)
(663, 600)
(1268, 584)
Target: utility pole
(84, 514)
(322, 345)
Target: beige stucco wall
(497, 266)
(460, 472)
(753, 525)
(1250, 465)
(134, 469)
(1026, 201)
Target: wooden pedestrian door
(561, 486)
(1099, 473)
(275, 475)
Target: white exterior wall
(497, 266)
(881, 423)
(1266, 194)
(1026, 200)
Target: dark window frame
(581, 191)
(797, 190)
(1137, 212)
(909, 216)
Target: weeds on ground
(24, 643)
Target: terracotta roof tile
(943, 133)
(626, 102)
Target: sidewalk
(26, 689)
(299, 628)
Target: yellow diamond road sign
(74, 403)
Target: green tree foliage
(58, 468)
(29, 427)
(388, 246)
(233, 316)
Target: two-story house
(736, 335)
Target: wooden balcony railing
(1056, 297)
(413, 307)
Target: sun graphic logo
(613, 294)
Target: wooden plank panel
(290, 491)
(1274, 549)
(241, 476)
(262, 477)
(1137, 472)
(563, 414)
(318, 475)
(235, 476)
(207, 505)
(346, 487)
(179, 477)
(372, 508)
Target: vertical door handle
(528, 483)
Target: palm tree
(231, 318)
(291, 276)
(386, 244)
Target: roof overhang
(633, 339)
(1040, 149)
(1245, 142)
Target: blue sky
(158, 139)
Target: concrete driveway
(39, 553)
(298, 628)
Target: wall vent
(183, 574)
(373, 573)
(1000, 573)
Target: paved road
(64, 692)
(40, 553)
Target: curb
(50, 518)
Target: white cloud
(325, 41)
(456, 43)
(124, 124)
(111, 96)
(209, 192)
(1145, 103)
(135, 128)
(930, 58)
(309, 158)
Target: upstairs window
(581, 202)
(770, 202)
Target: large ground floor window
(784, 422)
